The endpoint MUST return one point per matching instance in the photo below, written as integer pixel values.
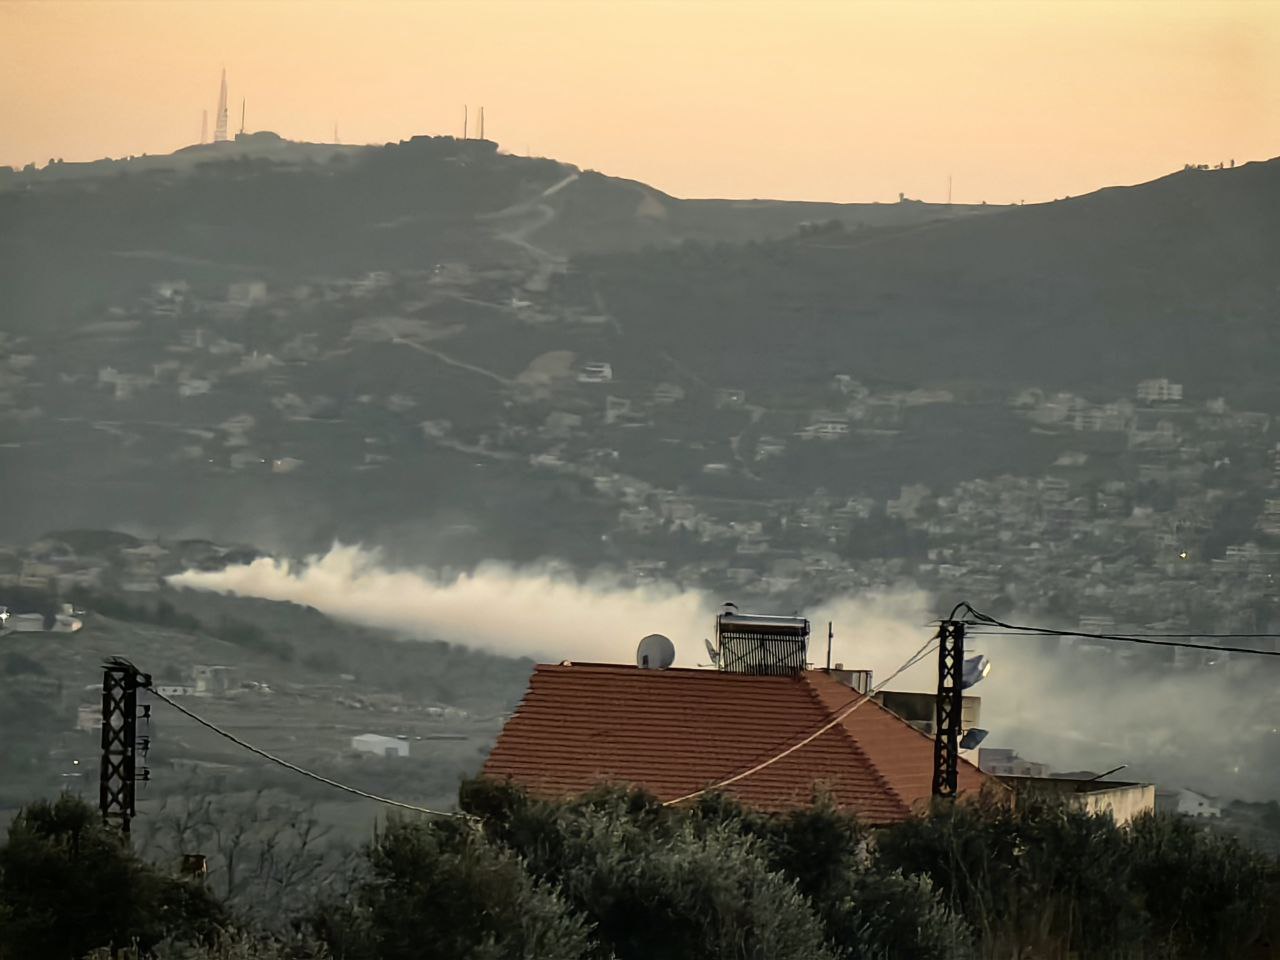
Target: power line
(297, 769)
(975, 618)
(857, 702)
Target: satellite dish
(655, 652)
(975, 668)
(712, 652)
(972, 737)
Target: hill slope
(76, 235)
(1171, 278)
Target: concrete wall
(1122, 802)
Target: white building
(1160, 390)
(1003, 762)
(595, 372)
(1188, 803)
(381, 746)
(212, 679)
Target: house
(665, 394)
(595, 372)
(675, 731)
(1002, 762)
(381, 746)
(919, 709)
(1188, 803)
(1160, 390)
(212, 679)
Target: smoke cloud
(1210, 727)
(546, 611)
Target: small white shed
(382, 746)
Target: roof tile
(676, 731)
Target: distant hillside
(1171, 278)
(301, 685)
(74, 237)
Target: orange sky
(792, 99)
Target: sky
(791, 99)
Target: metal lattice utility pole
(118, 771)
(950, 707)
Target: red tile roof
(676, 731)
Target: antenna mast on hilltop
(242, 99)
(220, 121)
(482, 123)
(464, 121)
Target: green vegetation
(617, 876)
(68, 884)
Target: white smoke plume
(546, 612)
(1070, 708)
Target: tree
(1203, 893)
(655, 882)
(868, 912)
(68, 885)
(443, 889)
(266, 852)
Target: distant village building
(379, 745)
(911, 498)
(212, 680)
(595, 372)
(730, 397)
(89, 717)
(247, 293)
(1161, 390)
(1003, 762)
(665, 394)
(616, 408)
(1188, 803)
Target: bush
(1046, 878)
(442, 888)
(1203, 893)
(656, 882)
(868, 912)
(69, 885)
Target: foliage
(1204, 894)
(706, 883)
(69, 885)
(265, 852)
(867, 912)
(444, 885)
(615, 875)
(1047, 878)
(226, 947)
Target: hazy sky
(821, 100)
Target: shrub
(69, 885)
(443, 888)
(1203, 893)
